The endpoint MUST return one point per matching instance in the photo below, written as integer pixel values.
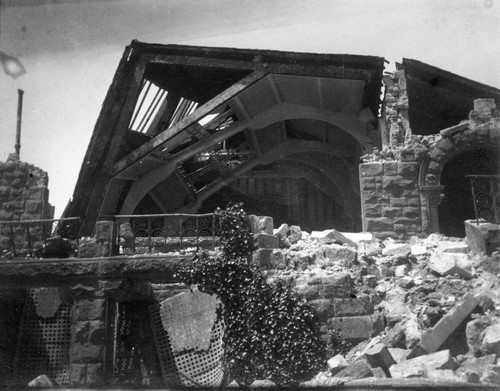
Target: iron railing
(37, 238)
(165, 233)
(486, 197)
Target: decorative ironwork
(164, 233)
(29, 238)
(486, 196)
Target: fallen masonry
(410, 322)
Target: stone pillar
(433, 194)
(87, 352)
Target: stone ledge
(156, 268)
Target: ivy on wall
(270, 333)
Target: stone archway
(454, 146)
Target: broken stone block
(396, 250)
(379, 357)
(322, 379)
(336, 285)
(483, 237)
(352, 306)
(359, 237)
(323, 308)
(282, 231)
(278, 260)
(295, 234)
(309, 292)
(337, 363)
(303, 259)
(395, 336)
(413, 333)
(432, 339)
(261, 224)
(401, 270)
(344, 255)
(266, 241)
(406, 282)
(379, 373)
(378, 322)
(417, 247)
(370, 280)
(331, 236)
(266, 383)
(491, 374)
(491, 340)
(399, 354)
(454, 247)
(262, 257)
(447, 375)
(422, 365)
(474, 333)
(446, 264)
(477, 365)
(353, 327)
(41, 381)
(359, 369)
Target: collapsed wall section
(24, 194)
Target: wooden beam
(276, 92)
(198, 114)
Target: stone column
(433, 194)
(87, 337)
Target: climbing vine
(270, 333)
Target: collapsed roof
(181, 123)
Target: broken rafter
(191, 119)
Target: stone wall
(391, 199)
(23, 191)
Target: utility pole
(19, 116)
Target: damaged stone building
(314, 141)
(186, 129)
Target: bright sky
(71, 49)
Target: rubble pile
(427, 308)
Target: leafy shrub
(235, 232)
(270, 333)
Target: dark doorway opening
(457, 204)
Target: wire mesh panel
(43, 344)
(193, 368)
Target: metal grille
(486, 196)
(134, 361)
(194, 368)
(35, 237)
(43, 344)
(163, 233)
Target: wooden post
(19, 116)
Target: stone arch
(455, 141)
